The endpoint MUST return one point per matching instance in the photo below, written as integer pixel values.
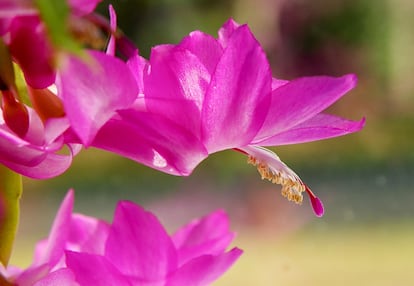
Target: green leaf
(55, 14)
(10, 193)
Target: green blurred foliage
(153, 22)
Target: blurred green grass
(377, 255)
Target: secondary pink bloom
(36, 154)
(21, 27)
(134, 250)
(89, 94)
(89, 91)
(206, 95)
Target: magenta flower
(89, 94)
(206, 95)
(37, 153)
(134, 250)
(21, 27)
(89, 91)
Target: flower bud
(15, 114)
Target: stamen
(273, 169)
(292, 186)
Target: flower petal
(87, 234)
(301, 99)
(239, 93)
(61, 277)
(207, 49)
(138, 65)
(276, 83)
(29, 32)
(153, 141)
(83, 7)
(226, 31)
(14, 150)
(51, 166)
(110, 49)
(90, 269)
(208, 235)
(100, 87)
(139, 245)
(53, 251)
(176, 75)
(321, 126)
(205, 269)
(31, 275)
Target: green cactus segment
(10, 193)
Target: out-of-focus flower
(87, 93)
(205, 95)
(134, 250)
(30, 141)
(21, 26)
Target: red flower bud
(15, 114)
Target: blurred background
(365, 179)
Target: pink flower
(89, 95)
(206, 95)
(89, 91)
(21, 27)
(37, 154)
(134, 250)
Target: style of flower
(134, 250)
(206, 95)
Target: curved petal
(276, 83)
(87, 234)
(139, 245)
(205, 269)
(208, 235)
(27, 31)
(153, 141)
(61, 277)
(321, 126)
(176, 75)
(13, 8)
(31, 275)
(111, 47)
(90, 269)
(83, 7)
(26, 155)
(100, 87)
(52, 251)
(237, 99)
(17, 151)
(138, 65)
(207, 49)
(226, 31)
(51, 166)
(301, 99)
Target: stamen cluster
(292, 185)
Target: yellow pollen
(292, 186)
